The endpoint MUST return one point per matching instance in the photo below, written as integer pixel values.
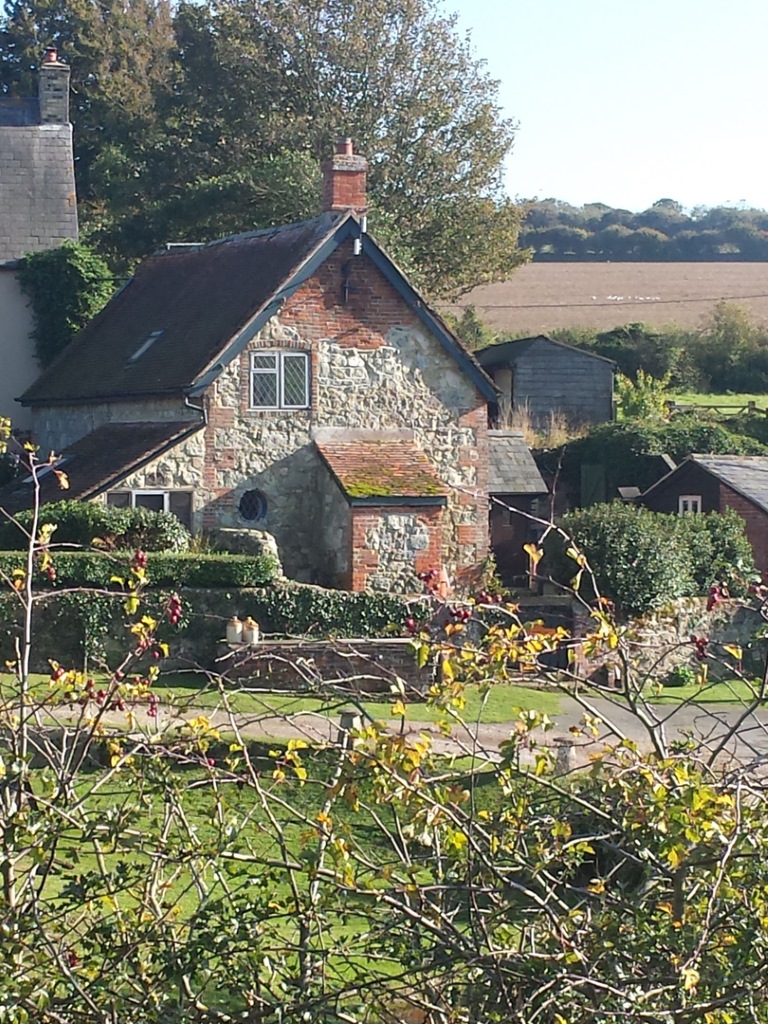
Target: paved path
(708, 724)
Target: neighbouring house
(714, 483)
(541, 381)
(38, 211)
(288, 380)
(517, 491)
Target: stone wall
(58, 426)
(392, 546)
(660, 641)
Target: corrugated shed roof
(508, 351)
(511, 469)
(387, 469)
(100, 460)
(193, 299)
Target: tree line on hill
(555, 230)
(197, 120)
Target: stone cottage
(37, 211)
(289, 380)
(541, 378)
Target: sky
(625, 102)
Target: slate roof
(193, 308)
(19, 111)
(508, 351)
(511, 469)
(382, 472)
(746, 474)
(100, 460)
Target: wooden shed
(545, 380)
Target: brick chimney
(53, 89)
(344, 180)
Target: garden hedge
(96, 569)
(80, 522)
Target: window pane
(180, 503)
(119, 499)
(263, 390)
(154, 501)
(264, 360)
(295, 380)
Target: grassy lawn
(698, 398)
(501, 703)
(729, 691)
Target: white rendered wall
(18, 368)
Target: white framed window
(279, 380)
(178, 502)
(689, 503)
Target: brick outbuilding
(714, 483)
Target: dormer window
(279, 380)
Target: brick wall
(755, 521)
(359, 666)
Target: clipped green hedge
(79, 522)
(94, 569)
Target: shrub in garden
(644, 560)
(82, 522)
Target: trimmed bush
(94, 569)
(644, 560)
(80, 522)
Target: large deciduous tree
(215, 118)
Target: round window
(253, 506)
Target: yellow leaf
(398, 708)
(63, 479)
(534, 553)
(734, 650)
(690, 978)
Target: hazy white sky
(625, 103)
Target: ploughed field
(543, 297)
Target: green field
(736, 401)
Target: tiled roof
(746, 474)
(192, 308)
(100, 460)
(511, 469)
(194, 299)
(508, 351)
(385, 470)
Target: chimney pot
(344, 180)
(51, 55)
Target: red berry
(410, 623)
(210, 762)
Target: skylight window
(146, 345)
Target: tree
(153, 870)
(66, 287)
(169, 159)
